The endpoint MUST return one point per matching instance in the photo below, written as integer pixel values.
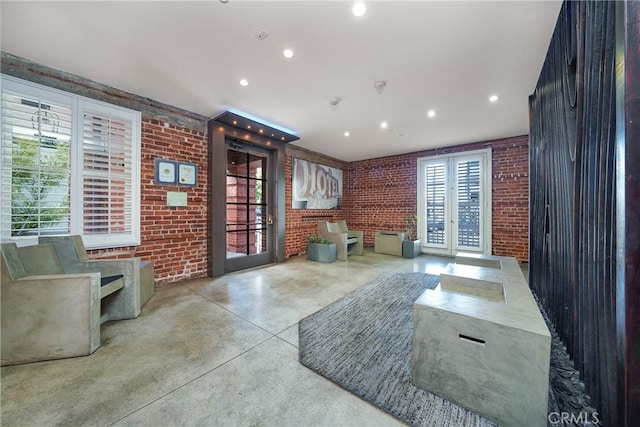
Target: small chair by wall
(347, 241)
(139, 285)
(45, 312)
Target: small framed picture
(187, 174)
(165, 172)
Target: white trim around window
(99, 197)
(454, 202)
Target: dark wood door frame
(217, 188)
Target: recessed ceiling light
(347, 134)
(384, 125)
(493, 98)
(359, 9)
(288, 53)
(431, 113)
(244, 82)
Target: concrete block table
(480, 341)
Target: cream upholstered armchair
(347, 241)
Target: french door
(249, 239)
(454, 203)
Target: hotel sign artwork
(316, 186)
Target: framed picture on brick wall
(165, 171)
(187, 174)
(315, 186)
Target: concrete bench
(48, 313)
(480, 341)
(139, 284)
(54, 298)
(347, 241)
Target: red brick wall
(510, 193)
(302, 222)
(378, 193)
(382, 191)
(175, 238)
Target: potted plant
(321, 249)
(411, 246)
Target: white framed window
(454, 202)
(69, 165)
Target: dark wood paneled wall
(628, 254)
(575, 199)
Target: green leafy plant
(39, 173)
(314, 238)
(411, 222)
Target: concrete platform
(479, 282)
(481, 342)
(479, 260)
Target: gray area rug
(363, 342)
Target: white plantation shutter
(469, 203)
(109, 169)
(69, 165)
(454, 198)
(35, 147)
(436, 192)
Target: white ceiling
(448, 56)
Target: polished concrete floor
(208, 352)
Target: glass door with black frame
(248, 216)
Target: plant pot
(321, 252)
(411, 248)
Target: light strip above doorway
(254, 125)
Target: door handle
(269, 219)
